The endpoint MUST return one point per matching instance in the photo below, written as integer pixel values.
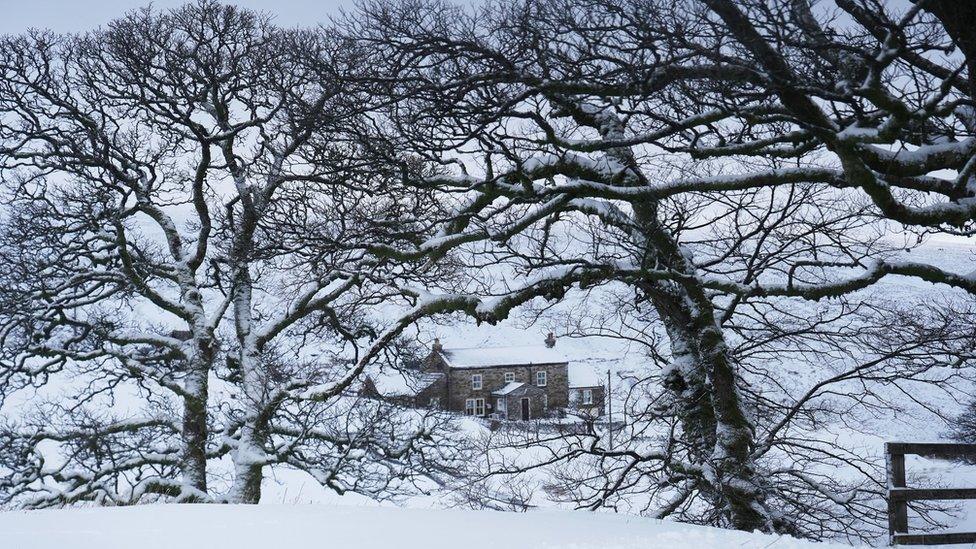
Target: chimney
(437, 347)
(551, 341)
(182, 335)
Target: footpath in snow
(339, 527)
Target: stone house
(516, 383)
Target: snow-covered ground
(297, 512)
(341, 527)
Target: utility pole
(606, 396)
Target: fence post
(897, 508)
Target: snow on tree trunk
(195, 432)
(716, 424)
(686, 378)
(248, 454)
(196, 427)
(731, 459)
(724, 435)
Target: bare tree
(599, 144)
(172, 172)
(704, 167)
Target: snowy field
(314, 526)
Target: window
(501, 406)
(474, 407)
(435, 402)
(540, 379)
(545, 402)
(587, 396)
(509, 377)
(476, 381)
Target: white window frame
(541, 378)
(474, 407)
(509, 377)
(477, 382)
(587, 396)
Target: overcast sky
(77, 15)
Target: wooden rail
(899, 494)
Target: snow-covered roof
(485, 357)
(508, 388)
(584, 374)
(518, 388)
(401, 382)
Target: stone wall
(434, 395)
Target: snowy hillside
(294, 527)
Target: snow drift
(300, 526)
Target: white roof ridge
(513, 355)
(492, 347)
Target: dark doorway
(525, 409)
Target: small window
(474, 407)
(435, 402)
(476, 381)
(509, 377)
(545, 402)
(540, 379)
(587, 396)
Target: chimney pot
(551, 340)
(437, 347)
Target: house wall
(458, 382)
(514, 413)
(599, 406)
(433, 396)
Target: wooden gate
(899, 494)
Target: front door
(525, 409)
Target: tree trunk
(249, 456)
(195, 433)
(687, 379)
(702, 377)
(704, 380)
(248, 464)
(731, 460)
(196, 427)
